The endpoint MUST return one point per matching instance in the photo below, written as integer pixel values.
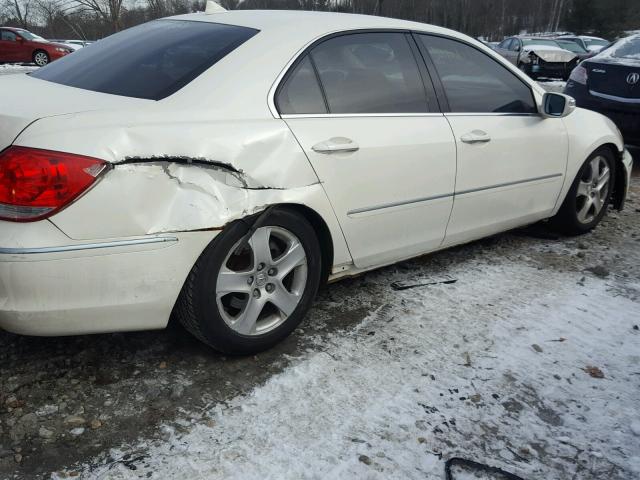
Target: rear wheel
(244, 298)
(40, 58)
(589, 196)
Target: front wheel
(244, 297)
(587, 200)
(40, 58)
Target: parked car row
(18, 45)
(557, 56)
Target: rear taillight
(579, 75)
(35, 184)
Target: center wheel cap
(261, 279)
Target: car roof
(302, 24)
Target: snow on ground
(501, 367)
(11, 68)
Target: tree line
(490, 19)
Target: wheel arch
(322, 232)
(620, 180)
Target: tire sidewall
(43, 52)
(569, 214)
(212, 325)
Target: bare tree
(110, 11)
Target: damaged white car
(221, 167)
(539, 57)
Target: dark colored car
(21, 46)
(538, 57)
(609, 83)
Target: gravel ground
(65, 403)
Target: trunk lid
(619, 79)
(24, 99)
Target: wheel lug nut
(272, 272)
(249, 280)
(260, 267)
(270, 287)
(256, 293)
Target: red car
(19, 45)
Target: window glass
(539, 42)
(152, 60)
(474, 82)
(627, 48)
(8, 36)
(370, 73)
(571, 46)
(514, 45)
(506, 44)
(301, 92)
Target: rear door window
(301, 93)
(7, 36)
(476, 83)
(150, 61)
(370, 73)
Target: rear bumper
(625, 115)
(93, 287)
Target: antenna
(213, 7)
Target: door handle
(336, 145)
(476, 136)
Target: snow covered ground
(11, 68)
(523, 363)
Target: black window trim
(442, 96)
(428, 72)
(430, 96)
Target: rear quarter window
(150, 61)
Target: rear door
(511, 160)
(367, 119)
(9, 46)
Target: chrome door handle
(336, 145)
(476, 136)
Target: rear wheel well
(322, 231)
(619, 185)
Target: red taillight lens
(34, 183)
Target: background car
(75, 44)
(219, 168)
(609, 83)
(592, 44)
(538, 57)
(576, 48)
(21, 46)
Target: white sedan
(220, 167)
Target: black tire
(566, 221)
(40, 58)
(197, 308)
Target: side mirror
(557, 105)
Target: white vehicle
(222, 166)
(592, 44)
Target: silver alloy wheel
(41, 59)
(260, 286)
(593, 190)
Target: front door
(511, 160)
(359, 106)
